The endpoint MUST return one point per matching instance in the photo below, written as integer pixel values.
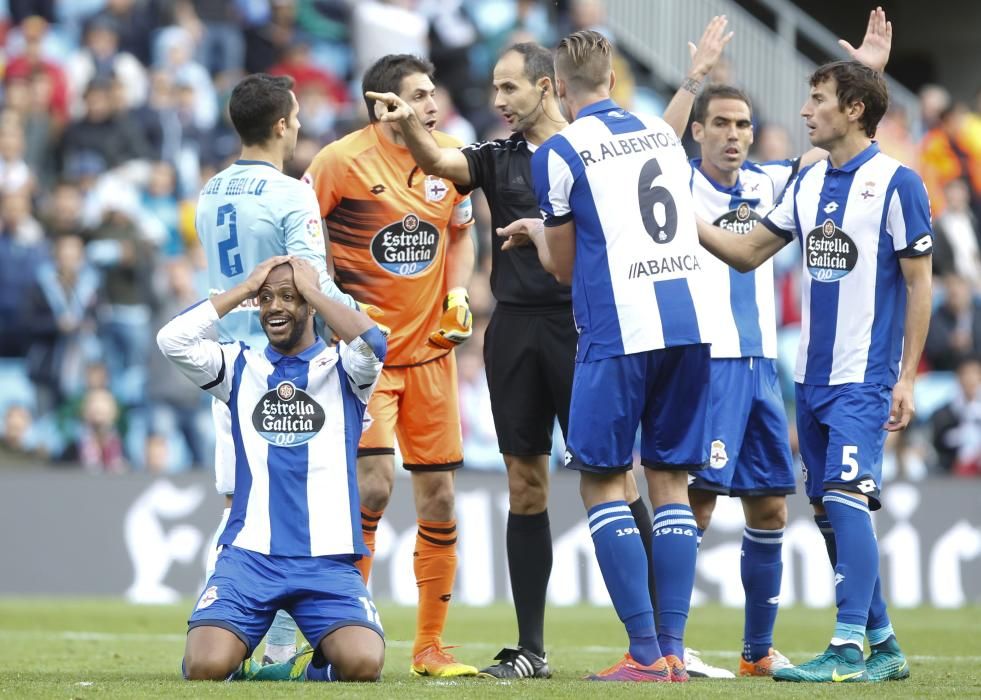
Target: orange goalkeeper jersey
(388, 224)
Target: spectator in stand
(955, 328)
(217, 35)
(896, 139)
(33, 61)
(22, 250)
(14, 172)
(297, 62)
(770, 143)
(99, 444)
(114, 137)
(951, 151)
(958, 237)
(136, 20)
(174, 52)
(265, 43)
(957, 426)
(100, 57)
(176, 405)
(159, 199)
(59, 318)
(934, 99)
(157, 117)
(18, 443)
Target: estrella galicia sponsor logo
(407, 247)
(831, 253)
(287, 416)
(740, 220)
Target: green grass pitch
(63, 648)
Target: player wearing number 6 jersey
(247, 213)
(620, 224)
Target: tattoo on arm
(691, 85)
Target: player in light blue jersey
(295, 528)
(247, 213)
(863, 222)
(620, 225)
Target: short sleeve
(782, 220)
(325, 172)
(553, 176)
(908, 218)
(780, 172)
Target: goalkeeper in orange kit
(400, 241)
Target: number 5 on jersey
(228, 259)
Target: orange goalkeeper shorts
(418, 405)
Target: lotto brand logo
(831, 208)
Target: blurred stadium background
(112, 114)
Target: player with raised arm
(247, 213)
(749, 449)
(530, 345)
(294, 531)
(400, 240)
(863, 222)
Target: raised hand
(389, 107)
(706, 54)
(305, 277)
(877, 43)
(254, 281)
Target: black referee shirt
(503, 169)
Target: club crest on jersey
(287, 416)
(718, 457)
(830, 252)
(208, 597)
(740, 220)
(407, 247)
(435, 188)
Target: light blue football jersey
(248, 213)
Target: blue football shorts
(749, 449)
(665, 392)
(841, 438)
(247, 588)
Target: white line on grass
(74, 635)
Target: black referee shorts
(529, 356)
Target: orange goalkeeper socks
(434, 562)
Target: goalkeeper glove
(456, 324)
(374, 313)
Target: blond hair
(584, 59)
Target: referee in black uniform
(530, 345)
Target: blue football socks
(858, 557)
(623, 562)
(761, 568)
(673, 558)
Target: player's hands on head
(520, 232)
(389, 107)
(706, 54)
(305, 276)
(254, 281)
(874, 51)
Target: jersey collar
(243, 161)
(597, 107)
(736, 190)
(311, 352)
(856, 162)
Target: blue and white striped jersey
(250, 212)
(854, 223)
(623, 180)
(737, 308)
(296, 423)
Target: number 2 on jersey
(229, 260)
(649, 197)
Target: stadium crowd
(113, 115)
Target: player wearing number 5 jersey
(863, 222)
(620, 224)
(400, 241)
(247, 213)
